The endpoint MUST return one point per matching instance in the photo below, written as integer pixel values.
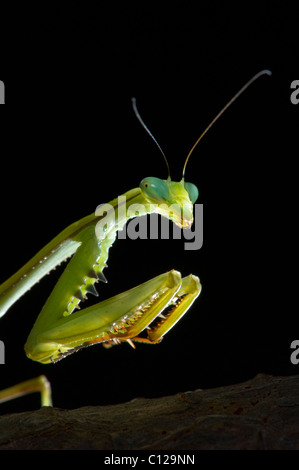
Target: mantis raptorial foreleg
(153, 307)
(120, 318)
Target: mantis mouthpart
(153, 307)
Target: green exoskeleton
(62, 327)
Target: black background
(70, 141)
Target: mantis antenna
(255, 77)
(149, 133)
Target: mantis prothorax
(61, 328)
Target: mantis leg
(120, 318)
(38, 384)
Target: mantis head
(173, 200)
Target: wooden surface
(262, 413)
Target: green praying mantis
(153, 307)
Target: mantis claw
(102, 277)
(92, 290)
(131, 343)
(92, 274)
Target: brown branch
(262, 413)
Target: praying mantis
(143, 314)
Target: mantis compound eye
(155, 188)
(192, 191)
